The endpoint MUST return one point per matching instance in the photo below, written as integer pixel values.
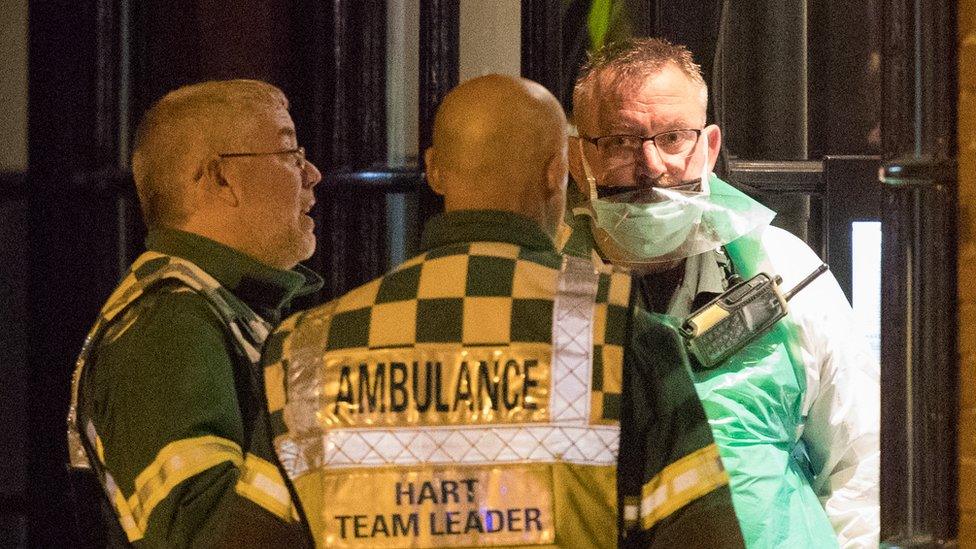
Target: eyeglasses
(299, 153)
(672, 143)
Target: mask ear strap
(590, 179)
(705, 172)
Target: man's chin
(641, 267)
(302, 252)
(309, 243)
(298, 248)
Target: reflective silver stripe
(262, 483)
(572, 340)
(252, 353)
(115, 496)
(77, 457)
(132, 530)
(451, 445)
(680, 483)
(304, 398)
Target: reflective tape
(680, 483)
(122, 509)
(176, 462)
(572, 342)
(274, 383)
(262, 483)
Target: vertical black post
(542, 30)
(918, 344)
(764, 83)
(338, 88)
(14, 277)
(73, 147)
(439, 57)
(693, 24)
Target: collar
(705, 276)
(711, 274)
(264, 289)
(484, 226)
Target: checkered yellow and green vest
(469, 398)
(260, 480)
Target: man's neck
(658, 287)
(216, 229)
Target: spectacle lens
(675, 143)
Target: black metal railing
(918, 351)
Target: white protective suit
(842, 399)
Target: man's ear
(221, 183)
(576, 165)
(713, 136)
(557, 173)
(433, 173)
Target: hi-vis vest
(260, 480)
(469, 398)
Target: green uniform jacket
(179, 420)
(346, 389)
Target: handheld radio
(738, 316)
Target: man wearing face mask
(795, 413)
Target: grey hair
(629, 62)
(182, 130)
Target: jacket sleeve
(171, 434)
(842, 403)
(674, 489)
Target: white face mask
(648, 225)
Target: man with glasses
(168, 408)
(795, 412)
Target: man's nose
(650, 163)
(312, 175)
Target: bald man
(475, 396)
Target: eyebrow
(617, 125)
(623, 128)
(630, 128)
(288, 134)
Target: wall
(490, 36)
(13, 85)
(967, 272)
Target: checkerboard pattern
(477, 294)
(609, 331)
(452, 294)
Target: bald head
(500, 143)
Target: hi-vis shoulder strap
(149, 269)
